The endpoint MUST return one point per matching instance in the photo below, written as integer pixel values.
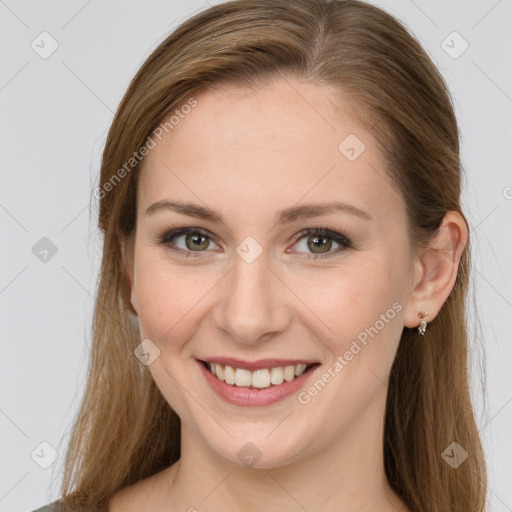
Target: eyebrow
(306, 211)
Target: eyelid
(343, 242)
(323, 231)
(165, 236)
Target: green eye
(319, 241)
(196, 240)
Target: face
(256, 285)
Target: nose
(252, 305)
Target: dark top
(54, 506)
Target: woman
(280, 319)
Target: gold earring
(423, 325)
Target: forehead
(279, 144)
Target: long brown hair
(125, 431)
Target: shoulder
(133, 498)
(147, 494)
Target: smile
(262, 385)
(261, 378)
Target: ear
(436, 269)
(127, 252)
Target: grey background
(55, 114)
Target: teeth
(242, 377)
(276, 376)
(289, 373)
(299, 369)
(262, 378)
(229, 375)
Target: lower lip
(254, 397)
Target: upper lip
(257, 365)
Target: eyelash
(166, 237)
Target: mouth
(256, 384)
(258, 378)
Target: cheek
(361, 313)
(359, 310)
(349, 298)
(168, 299)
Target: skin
(250, 154)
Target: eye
(195, 240)
(319, 241)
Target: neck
(346, 475)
